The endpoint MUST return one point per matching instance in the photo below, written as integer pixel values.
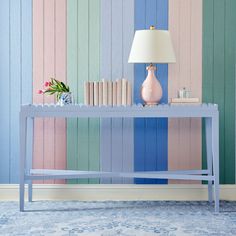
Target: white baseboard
(126, 192)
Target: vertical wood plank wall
(117, 29)
(150, 135)
(15, 80)
(219, 38)
(83, 53)
(184, 135)
(49, 60)
(77, 41)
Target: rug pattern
(144, 218)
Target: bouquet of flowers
(54, 87)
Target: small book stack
(191, 101)
(108, 93)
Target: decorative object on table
(184, 97)
(151, 46)
(61, 90)
(108, 93)
(184, 93)
(191, 101)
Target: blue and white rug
(69, 218)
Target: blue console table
(208, 111)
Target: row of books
(108, 93)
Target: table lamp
(151, 46)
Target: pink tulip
(46, 84)
(40, 91)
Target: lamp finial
(152, 27)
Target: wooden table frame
(208, 111)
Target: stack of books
(176, 101)
(108, 93)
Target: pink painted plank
(184, 81)
(184, 135)
(196, 80)
(173, 83)
(60, 73)
(49, 71)
(38, 81)
(49, 60)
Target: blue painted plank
(150, 151)
(139, 76)
(4, 91)
(162, 75)
(151, 123)
(26, 51)
(15, 87)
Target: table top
(136, 110)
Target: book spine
(91, 94)
(104, 88)
(114, 93)
(100, 93)
(129, 93)
(118, 92)
(86, 93)
(109, 92)
(96, 91)
(124, 92)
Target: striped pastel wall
(77, 41)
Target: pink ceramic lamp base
(151, 91)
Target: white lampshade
(152, 46)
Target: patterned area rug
(117, 218)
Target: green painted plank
(219, 79)
(94, 75)
(207, 68)
(83, 75)
(229, 116)
(219, 39)
(72, 137)
(83, 65)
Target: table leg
(215, 152)
(30, 143)
(23, 121)
(208, 132)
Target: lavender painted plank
(116, 37)
(128, 72)
(106, 67)
(117, 72)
